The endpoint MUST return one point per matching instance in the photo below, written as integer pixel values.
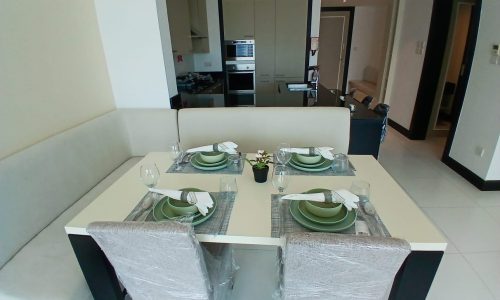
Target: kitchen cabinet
(291, 38)
(180, 27)
(199, 25)
(265, 11)
(238, 19)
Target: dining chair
(367, 101)
(164, 260)
(383, 110)
(340, 266)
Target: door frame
(431, 70)
(351, 10)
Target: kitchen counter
(366, 125)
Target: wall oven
(237, 50)
(240, 78)
(240, 84)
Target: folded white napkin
(228, 147)
(323, 151)
(347, 198)
(202, 200)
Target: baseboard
(400, 128)
(481, 184)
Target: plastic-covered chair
(340, 266)
(164, 260)
(383, 110)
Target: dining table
(250, 219)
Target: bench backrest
(264, 128)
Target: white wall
(368, 43)
(413, 24)
(131, 33)
(479, 119)
(315, 22)
(212, 61)
(53, 74)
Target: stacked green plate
(163, 211)
(341, 221)
(198, 162)
(322, 165)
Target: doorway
(452, 68)
(335, 33)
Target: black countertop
(281, 98)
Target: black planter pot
(260, 175)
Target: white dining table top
(250, 220)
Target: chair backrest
(340, 266)
(367, 101)
(383, 110)
(154, 260)
(254, 128)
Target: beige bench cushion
(40, 182)
(150, 130)
(254, 128)
(46, 268)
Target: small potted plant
(260, 166)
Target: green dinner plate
(302, 220)
(201, 162)
(197, 165)
(324, 166)
(320, 220)
(299, 163)
(162, 210)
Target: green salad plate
(163, 211)
(198, 163)
(341, 221)
(347, 222)
(296, 160)
(325, 165)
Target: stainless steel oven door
(241, 82)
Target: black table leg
(415, 276)
(98, 271)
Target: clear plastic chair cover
(339, 266)
(163, 260)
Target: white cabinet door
(264, 38)
(291, 29)
(180, 27)
(238, 19)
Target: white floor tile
(487, 265)
(455, 279)
(257, 277)
(470, 229)
(437, 192)
(494, 212)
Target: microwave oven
(240, 50)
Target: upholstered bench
(44, 186)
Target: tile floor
(467, 217)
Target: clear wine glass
(175, 152)
(280, 178)
(283, 154)
(228, 185)
(150, 175)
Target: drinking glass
(228, 185)
(361, 189)
(236, 161)
(175, 152)
(283, 154)
(340, 163)
(149, 175)
(280, 178)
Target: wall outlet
(207, 64)
(479, 151)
